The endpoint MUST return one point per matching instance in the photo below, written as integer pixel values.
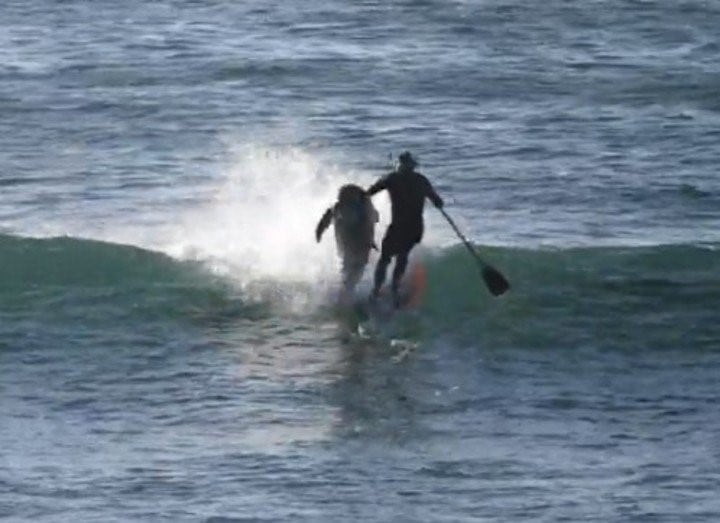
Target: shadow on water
(373, 394)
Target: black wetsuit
(408, 190)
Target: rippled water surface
(170, 348)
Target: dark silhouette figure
(353, 217)
(408, 190)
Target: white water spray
(260, 223)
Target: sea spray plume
(256, 224)
(257, 228)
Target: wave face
(64, 261)
(67, 286)
(603, 297)
(623, 298)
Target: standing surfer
(408, 190)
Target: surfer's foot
(345, 297)
(374, 295)
(396, 300)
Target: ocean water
(170, 344)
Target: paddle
(495, 281)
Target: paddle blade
(495, 281)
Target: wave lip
(70, 261)
(68, 279)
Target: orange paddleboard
(414, 286)
(412, 292)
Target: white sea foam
(259, 223)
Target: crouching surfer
(353, 217)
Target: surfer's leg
(407, 241)
(352, 273)
(388, 250)
(401, 262)
(380, 272)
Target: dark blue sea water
(170, 346)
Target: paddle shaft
(465, 241)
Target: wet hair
(351, 193)
(353, 204)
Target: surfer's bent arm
(378, 186)
(433, 195)
(323, 224)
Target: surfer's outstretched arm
(378, 186)
(323, 224)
